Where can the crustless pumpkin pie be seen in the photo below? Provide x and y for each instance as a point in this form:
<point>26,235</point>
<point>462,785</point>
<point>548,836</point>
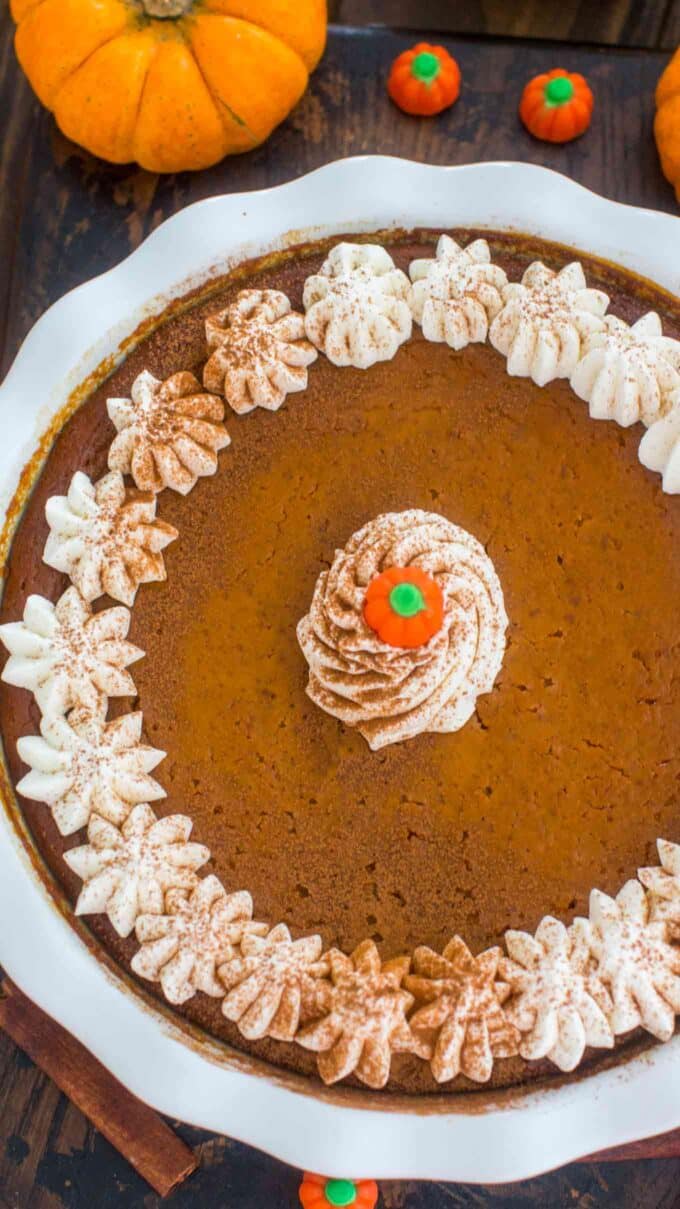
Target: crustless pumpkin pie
<point>343,703</point>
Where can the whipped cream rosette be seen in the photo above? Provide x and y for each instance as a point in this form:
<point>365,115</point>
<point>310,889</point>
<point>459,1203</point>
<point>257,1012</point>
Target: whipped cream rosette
<point>271,981</point>
<point>66,655</point>
<point>662,883</point>
<point>105,538</point>
<point>169,433</point>
<point>183,948</point>
<point>394,692</point>
<point>82,765</point>
<point>455,296</point>
<point>660,448</point>
<point>259,353</point>
<point>356,306</point>
<point>362,1019</point>
<point>635,960</point>
<point>126,872</point>
<point>555,1001</point>
<point>544,320</point>
<point>458,999</point>
<point>628,372</point>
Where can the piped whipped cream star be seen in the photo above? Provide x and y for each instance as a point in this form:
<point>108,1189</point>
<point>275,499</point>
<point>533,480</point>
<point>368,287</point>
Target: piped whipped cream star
<point>660,448</point>
<point>544,320</point>
<point>628,373</point>
<point>169,433</point>
<point>81,764</point>
<point>662,883</point>
<point>356,306</point>
<point>184,948</point>
<point>363,1017</point>
<point>461,1002</point>
<point>556,1002</point>
<point>259,353</point>
<point>66,655</point>
<point>455,297</point>
<point>127,871</point>
<point>635,961</point>
<point>107,540</point>
<point>270,981</point>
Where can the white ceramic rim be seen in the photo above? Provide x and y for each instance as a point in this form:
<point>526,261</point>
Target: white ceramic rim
<point>364,1136</point>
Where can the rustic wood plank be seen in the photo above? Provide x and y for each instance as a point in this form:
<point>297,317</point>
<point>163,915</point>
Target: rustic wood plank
<point>670,33</point>
<point>610,22</point>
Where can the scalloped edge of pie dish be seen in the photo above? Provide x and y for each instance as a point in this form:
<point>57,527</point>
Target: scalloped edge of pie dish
<point>514,1136</point>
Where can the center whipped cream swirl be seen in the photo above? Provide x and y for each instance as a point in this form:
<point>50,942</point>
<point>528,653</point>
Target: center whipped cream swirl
<point>392,693</point>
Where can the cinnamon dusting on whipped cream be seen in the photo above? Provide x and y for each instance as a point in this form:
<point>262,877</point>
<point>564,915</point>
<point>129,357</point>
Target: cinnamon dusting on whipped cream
<point>391,693</point>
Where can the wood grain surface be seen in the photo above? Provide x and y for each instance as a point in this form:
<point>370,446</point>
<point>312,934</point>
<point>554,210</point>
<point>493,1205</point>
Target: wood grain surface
<point>65,217</point>
<point>643,23</point>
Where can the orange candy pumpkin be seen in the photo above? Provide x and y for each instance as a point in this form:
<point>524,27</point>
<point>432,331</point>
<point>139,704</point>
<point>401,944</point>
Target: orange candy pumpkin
<point>667,122</point>
<point>556,106</point>
<point>172,84</point>
<point>424,80</point>
<point>404,606</point>
<point>317,1192</point>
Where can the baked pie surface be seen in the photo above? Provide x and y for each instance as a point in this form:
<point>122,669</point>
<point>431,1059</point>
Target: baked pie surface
<point>567,772</point>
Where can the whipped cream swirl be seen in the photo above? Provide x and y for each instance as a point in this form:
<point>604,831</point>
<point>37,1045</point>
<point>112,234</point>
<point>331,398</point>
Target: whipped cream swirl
<point>258,351</point>
<point>635,960</point>
<point>81,765</point>
<point>357,306</point>
<point>199,932</point>
<point>544,321</point>
<point>628,372</point>
<point>105,538</point>
<point>127,871</point>
<point>392,693</point>
<point>556,1002</point>
<point>660,448</point>
<point>663,886</point>
<point>455,296</point>
<point>66,655</point>
<point>169,433</point>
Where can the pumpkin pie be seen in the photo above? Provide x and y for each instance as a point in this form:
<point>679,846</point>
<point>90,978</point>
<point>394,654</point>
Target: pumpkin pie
<point>342,704</point>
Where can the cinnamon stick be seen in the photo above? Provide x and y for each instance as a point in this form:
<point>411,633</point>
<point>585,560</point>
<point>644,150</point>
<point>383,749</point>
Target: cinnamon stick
<point>139,1133</point>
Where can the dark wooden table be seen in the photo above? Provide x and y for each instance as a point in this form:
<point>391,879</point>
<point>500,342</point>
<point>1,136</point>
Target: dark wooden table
<point>65,217</point>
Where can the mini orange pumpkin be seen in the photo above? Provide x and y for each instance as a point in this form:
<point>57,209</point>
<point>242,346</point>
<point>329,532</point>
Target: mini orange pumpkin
<point>424,80</point>
<point>667,122</point>
<point>316,1192</point>
<point>172,84</point>
<point>556,106</point>
<point>404,606</point>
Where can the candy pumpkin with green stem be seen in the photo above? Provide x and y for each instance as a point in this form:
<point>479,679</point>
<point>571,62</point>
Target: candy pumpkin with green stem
<point>317,1192</point>
<point>424,80</point>
<point>172,84</point>
<point>556,106</point>
<point>404,606</point>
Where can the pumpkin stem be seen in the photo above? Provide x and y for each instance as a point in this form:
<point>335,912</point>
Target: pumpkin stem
<point>166,9</point>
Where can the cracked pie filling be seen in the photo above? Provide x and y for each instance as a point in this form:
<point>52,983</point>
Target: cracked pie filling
<point>339,661</point>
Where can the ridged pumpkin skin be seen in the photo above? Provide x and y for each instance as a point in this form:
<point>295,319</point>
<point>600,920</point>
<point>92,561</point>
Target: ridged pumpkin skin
<point>667,122</point>
<point>172,93</point>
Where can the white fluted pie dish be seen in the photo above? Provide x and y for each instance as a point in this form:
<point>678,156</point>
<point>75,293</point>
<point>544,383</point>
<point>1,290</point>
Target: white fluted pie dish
<point>465,1138</point>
